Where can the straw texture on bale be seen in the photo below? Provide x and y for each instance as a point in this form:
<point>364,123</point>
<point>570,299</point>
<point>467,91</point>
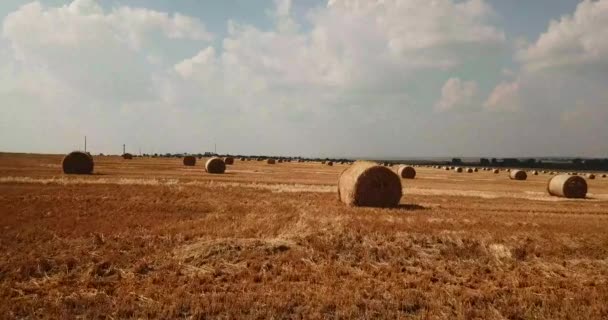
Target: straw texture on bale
<point>270,161</point>
<point>518,175</point>
<point>127,156</point>
<point>215,165</point>
<point>367,184</point>
<point>229,160</point>
<point>406,172</point>
<point>190,161</point>
<point>567,186</point>
<point>77,162</point>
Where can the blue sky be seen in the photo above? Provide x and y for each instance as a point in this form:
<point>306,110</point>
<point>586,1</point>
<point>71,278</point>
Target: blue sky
<point>405,78</point>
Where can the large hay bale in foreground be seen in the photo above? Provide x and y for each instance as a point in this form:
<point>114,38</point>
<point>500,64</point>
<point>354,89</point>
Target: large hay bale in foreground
<point>518,175</point>
<point>190,161</point>
<point>215,165</point>
<point>406,172</point>
<point>77,162</point>
<point>367,184</point>
<point>270,161</point>
<point>127,156</point>
<point>229,160</point>
<point>567,186</point>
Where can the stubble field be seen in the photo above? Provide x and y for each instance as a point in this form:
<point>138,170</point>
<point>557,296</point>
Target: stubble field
<point>150,238</point>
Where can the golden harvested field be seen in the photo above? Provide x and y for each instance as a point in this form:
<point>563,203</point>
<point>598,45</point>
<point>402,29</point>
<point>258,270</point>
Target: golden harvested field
<point>151,238</point>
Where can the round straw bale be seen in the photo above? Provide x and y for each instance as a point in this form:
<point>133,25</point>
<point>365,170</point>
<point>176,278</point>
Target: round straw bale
<point>476,170</point>
<point>127,156</point>
<point>229,160</point>
<point>603,176</point>
<point>535,172</point>
<point>367,184</point>
<point>270,161</point>
<point>518,175</point>
<point>215,165</point>
<point>469,170</point>
<point>458,169</point>
<point>329,163</point>
<point>590,176</point>
<point>323,162</point>
<point>190,161</point>
<point>406,172</point>
<point>496,171</point>
<point>447,169</point>
<point>567,186</point>
<point>77,162</point>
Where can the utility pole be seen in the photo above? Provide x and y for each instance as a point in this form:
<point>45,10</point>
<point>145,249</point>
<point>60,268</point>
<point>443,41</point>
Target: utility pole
<point>85,143</point>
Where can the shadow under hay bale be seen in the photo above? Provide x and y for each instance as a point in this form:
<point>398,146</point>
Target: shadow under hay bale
<point>367,184</point>
<point>567,186</point>
<point>189,161</point>
<point>77,162</point>
<point>215,165</point>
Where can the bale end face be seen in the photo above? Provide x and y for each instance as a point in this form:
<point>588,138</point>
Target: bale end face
<point>407,172</point>
<point>215,165</point>
<point>77,162</point>
<point>190,161</point>
<point>366,184</point>
<point>567,186</point>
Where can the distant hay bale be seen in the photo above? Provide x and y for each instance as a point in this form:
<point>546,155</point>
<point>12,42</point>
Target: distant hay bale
<point>476,169</point>
<point>367,184</point>
<point>518,175</point>
<point>270,161</point>
<point>535,172</point>
<point>603,176</point>
<point>215,165</point>
<point>567,186</point>
<point>329,163</point>
<point>591,176</point>
<point>229,160</point>
<point>406,172</point>
<point>77,162</point>
<point>127,156</point>
<point>458,169</point>
<point>243,159</point>
<point>447,168</point>
<point>496,171</point>
<point>469,170</point>
<point>190,161</point>
<point>323,162</point>
<point>280,160</point>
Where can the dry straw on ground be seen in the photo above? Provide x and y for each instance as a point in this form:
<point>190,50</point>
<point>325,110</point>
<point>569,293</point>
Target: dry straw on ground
<point>518,175</point>
<point>77,162</point>
<point>567,186</point>
<point>190,161</point>
<point>215,165</point>
<point>367,184</point>
<point>406,172</point>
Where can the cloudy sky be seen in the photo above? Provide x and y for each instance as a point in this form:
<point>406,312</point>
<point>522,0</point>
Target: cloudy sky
<point>361,78</point>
